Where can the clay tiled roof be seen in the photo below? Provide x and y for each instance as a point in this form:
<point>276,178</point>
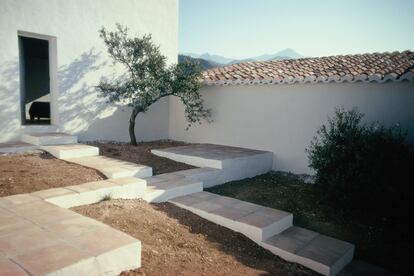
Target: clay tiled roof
<point>378,67</point>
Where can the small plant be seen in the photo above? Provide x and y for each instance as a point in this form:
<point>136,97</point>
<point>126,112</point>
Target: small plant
<point>106,197</point>
<point>363,167</point>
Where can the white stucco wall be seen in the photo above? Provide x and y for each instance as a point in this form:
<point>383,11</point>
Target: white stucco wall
<point>81,61</point>
<point>284,118</point>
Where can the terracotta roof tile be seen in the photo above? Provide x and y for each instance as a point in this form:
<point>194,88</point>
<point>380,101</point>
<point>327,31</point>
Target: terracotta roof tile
<point>378,67</point>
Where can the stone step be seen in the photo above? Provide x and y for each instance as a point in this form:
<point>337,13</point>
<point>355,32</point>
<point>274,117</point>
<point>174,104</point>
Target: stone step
<point>254,221</point>
<point>16,146</point>
<point>39,238</point>
<point>234,163</point>
<point>92,192</point>
<point>113,168</point>
<point>161,188</point>
<point>71,151</point>
<point>209,176</point>
<point>49,138</point>
<point>320,253</point>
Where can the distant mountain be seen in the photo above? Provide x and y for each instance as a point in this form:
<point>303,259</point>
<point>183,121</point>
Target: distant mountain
<point>214,58</point>
<point>281,55</point>
<point>204,64</point>
<point>217,60</point>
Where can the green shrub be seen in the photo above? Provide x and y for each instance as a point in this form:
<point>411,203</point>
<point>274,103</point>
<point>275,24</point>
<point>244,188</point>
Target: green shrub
<point>362,167</point>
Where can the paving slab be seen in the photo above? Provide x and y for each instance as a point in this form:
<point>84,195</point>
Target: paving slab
<point>71,150</point>
<point>113,168</point>
<point>40,238</point>
<point>162,190</point>
<point>8,267</point>
<point>95,191</point>
<point>320,253</point>
<point>219,164</point>
<point>248,219</point>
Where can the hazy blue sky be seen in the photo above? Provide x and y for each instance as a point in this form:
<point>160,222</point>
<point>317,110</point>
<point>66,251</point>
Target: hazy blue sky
<point>246,28</point>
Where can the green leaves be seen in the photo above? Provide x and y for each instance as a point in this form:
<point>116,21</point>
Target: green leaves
<point>148,78</point>
<point>359,165</point>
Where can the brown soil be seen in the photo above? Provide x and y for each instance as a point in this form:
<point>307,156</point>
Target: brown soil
<point>177,242</point>
<point>25,173</point>
<point>141,154</point>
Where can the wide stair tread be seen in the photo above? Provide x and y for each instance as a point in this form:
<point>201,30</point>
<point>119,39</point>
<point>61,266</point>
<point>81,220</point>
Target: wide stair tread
<point>232,163</point>
<point>113,168</point>
<point>321,253</point>
<point>163,187</point>
<point>49,138</point>
<point>254,221</point>
<point>95,191</point>
<point>68,151</point>
<point>209,155</point>
<point>48,240</point>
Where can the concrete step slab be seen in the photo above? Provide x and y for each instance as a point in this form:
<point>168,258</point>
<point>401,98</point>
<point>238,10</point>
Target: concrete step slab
<point>44,239</point>
<point>161,190</point>
<point>320,253</point>
<point>254,221</point>
<point>49,138</point>
<point>113,168</point>
<point>17,147</point>
<point>209,176</point>
<point>92,192</point>
<point>71,151</point>
<point>234,163</point>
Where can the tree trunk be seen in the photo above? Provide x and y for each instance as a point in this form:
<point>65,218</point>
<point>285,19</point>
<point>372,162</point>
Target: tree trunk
<point>134,115</point>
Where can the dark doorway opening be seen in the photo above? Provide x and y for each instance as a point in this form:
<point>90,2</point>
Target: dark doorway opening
<point>35,80</point>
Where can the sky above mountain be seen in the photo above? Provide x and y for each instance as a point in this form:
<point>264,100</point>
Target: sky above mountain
<point>239,29</point>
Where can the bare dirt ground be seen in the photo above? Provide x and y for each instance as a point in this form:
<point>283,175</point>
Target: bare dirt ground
<point>141,154</point>
<point>177,242</point>
<point>25,173</point>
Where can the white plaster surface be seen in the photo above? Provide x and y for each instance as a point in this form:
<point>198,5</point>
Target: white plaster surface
<point>220,164</point>
<point>283,119</point>
<point>81,60</point>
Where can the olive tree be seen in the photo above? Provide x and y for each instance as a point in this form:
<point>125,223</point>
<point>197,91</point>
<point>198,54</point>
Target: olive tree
<point>148,78</point>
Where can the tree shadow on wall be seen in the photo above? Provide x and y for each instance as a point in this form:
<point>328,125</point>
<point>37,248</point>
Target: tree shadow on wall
<point>79,101</point>
<point>9,100</point>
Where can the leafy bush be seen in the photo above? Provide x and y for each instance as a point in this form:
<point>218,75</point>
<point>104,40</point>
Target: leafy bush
<point>362,167</point>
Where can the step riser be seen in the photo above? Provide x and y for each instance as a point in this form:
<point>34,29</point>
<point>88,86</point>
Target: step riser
<point>254,233</point>
<point>18,149</point>
<point>72,153</point>
<point>45,141</point>
<point>73,200</point>
<point>142,173</point>
<point>190,160</point>
<point>157,196</point>
<point>110,263</point>
<point>230,169</point>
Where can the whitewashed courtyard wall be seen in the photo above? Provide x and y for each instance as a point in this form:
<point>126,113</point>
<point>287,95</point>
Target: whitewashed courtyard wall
<point>284,118</point>
<point>81,61</point>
